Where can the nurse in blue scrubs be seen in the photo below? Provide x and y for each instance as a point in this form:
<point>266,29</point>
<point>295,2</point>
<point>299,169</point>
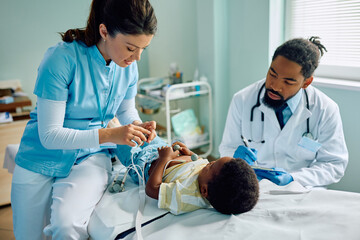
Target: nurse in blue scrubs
<point>64,160</point>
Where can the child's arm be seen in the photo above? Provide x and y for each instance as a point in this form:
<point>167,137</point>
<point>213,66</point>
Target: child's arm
<point>166,154</point>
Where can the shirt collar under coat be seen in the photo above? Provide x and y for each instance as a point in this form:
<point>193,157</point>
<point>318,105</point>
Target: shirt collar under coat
<point>293,102</point>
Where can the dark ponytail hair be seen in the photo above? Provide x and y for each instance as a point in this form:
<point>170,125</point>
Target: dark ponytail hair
<point>305,52</point>
<point>119,16</point>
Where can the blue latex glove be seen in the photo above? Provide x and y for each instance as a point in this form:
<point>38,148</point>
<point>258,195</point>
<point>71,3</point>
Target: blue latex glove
<point>248,154</point>
<point>278,176</point>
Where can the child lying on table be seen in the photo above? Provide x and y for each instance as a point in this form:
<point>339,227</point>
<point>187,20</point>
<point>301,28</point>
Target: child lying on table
<point>182,185</point>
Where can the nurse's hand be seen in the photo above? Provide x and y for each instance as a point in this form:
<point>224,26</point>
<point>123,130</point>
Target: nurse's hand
<point>278,176</point>
<point>247,154</point>
<point>124,135</point>
<point>151,126</point>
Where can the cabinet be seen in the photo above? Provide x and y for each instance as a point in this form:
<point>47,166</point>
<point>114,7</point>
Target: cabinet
<point>193,90</point>
<point>16,108</point>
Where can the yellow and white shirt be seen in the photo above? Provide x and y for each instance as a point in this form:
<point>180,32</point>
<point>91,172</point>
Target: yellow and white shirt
<point>179,193</point>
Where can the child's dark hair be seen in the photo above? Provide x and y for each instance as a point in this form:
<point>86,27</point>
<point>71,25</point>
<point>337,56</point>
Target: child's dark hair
<point>119,16</point>
<point>304,52</point>
<point>235,189</point>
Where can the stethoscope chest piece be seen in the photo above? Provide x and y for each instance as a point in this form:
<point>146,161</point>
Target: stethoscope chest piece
<point>308,135</point>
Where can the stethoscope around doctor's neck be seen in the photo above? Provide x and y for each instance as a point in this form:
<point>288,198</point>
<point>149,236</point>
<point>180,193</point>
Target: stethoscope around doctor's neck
<point>305,134</point>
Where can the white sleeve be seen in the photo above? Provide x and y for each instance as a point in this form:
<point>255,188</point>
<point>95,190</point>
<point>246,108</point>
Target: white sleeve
<point>52,133</point>
<point>127,112</point>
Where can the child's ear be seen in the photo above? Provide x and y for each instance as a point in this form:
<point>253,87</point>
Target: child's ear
<point>204,191</point>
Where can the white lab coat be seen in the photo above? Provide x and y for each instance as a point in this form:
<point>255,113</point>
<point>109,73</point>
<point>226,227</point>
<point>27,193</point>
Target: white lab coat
<point>315,167</point>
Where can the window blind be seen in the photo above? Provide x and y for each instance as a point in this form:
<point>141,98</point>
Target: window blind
<point>336,22</point>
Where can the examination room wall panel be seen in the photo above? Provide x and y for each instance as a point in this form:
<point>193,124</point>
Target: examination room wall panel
<point>246,47</point>
<point>350,115</point>
<point>28,29</point>
<point>249,42</point>
<point>174,42</point>
<point>213,51</point>
<point>225,28</point>
<point>194,36</point>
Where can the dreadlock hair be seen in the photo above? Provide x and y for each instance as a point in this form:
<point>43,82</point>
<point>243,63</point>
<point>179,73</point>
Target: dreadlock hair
<point>119,16</point>
<point>304,52</point>
<point>235,189</point>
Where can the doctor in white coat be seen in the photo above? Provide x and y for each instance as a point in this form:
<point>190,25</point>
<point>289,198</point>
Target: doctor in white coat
<point>306,143</point>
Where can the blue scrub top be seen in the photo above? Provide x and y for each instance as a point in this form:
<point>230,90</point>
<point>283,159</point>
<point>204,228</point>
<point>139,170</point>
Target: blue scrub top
<point>64,75</point>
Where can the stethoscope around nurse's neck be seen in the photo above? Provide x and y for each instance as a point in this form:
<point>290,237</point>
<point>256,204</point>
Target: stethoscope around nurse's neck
<point>307,134</point>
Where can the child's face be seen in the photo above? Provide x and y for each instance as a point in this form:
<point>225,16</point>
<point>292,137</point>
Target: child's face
<point>211,170</point>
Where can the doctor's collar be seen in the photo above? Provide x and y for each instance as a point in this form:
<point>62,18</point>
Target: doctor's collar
<point>294,101</point>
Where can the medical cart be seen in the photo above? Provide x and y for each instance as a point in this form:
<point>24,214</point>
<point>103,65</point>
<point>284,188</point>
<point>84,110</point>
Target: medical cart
<point>193,90</point>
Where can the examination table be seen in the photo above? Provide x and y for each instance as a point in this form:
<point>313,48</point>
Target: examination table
<point>287,212</point>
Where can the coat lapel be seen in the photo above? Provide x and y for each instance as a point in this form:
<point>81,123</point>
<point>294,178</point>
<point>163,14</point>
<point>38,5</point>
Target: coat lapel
<point>270,116</point>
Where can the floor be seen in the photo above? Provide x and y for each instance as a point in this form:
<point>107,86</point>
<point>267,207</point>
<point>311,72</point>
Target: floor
<point>6,227</point>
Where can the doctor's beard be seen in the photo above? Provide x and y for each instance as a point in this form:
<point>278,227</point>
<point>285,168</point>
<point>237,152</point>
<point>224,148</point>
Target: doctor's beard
<point>274,104</point>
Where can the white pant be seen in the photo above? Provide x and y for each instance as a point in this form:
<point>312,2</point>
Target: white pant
<point>72,200</point>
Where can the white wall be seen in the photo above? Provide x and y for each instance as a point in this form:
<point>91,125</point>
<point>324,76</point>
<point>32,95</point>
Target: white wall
<point>175,40</point>
<point>28,29</point>
<point>347,101</point>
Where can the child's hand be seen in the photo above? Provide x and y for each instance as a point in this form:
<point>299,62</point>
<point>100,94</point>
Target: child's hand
<point>166,153</point>
<point>179,143</point>
<point>183,149</point>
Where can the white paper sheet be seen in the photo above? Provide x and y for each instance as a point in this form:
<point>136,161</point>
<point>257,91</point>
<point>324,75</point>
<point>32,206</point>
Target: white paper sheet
<point>288,212</point>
